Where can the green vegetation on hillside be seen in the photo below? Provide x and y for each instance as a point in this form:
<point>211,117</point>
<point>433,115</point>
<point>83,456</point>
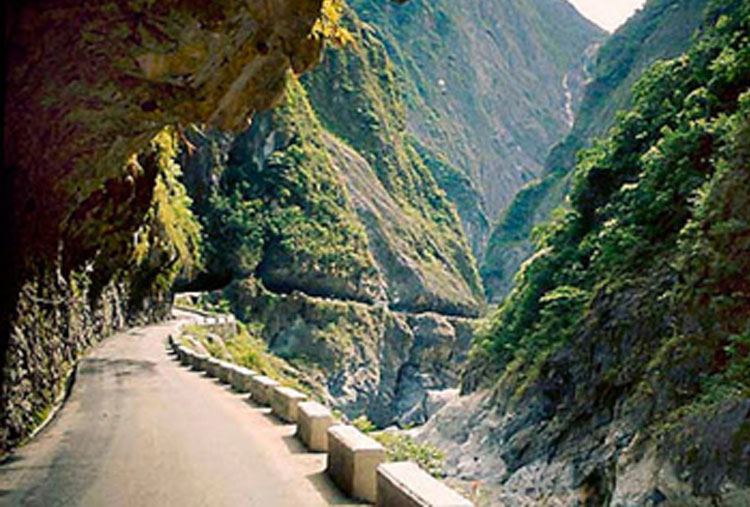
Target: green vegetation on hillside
<point>288,211</point>
<point>278,201</point>
<point>652,259</point>
<point>248,350</point>
<point>365,109</point>
<point>483,87</point>
<point>358,97</point>
<point>662,29</point>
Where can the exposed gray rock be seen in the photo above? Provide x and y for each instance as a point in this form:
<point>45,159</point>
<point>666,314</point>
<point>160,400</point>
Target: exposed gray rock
<point>436,400</point>
<point>411,283</point>
<point>54,324</point>
<point>387,365</point>
<point>521,456</point>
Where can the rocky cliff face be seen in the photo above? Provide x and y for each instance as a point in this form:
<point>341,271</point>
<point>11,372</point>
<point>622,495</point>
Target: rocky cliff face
<point>96,219</point>
<point>54,326</point>
<point>336,200</point>
<point>393,367</point>
<point>301,210</point>
<point>329,206</point>
<point>662,30</point>
<point>487,87</point>
<point>616,372</point>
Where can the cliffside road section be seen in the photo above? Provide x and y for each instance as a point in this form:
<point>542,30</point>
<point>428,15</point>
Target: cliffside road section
<point>139,429</point>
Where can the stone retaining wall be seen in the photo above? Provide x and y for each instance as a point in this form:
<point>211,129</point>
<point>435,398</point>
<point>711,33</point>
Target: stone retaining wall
<point>55,321</point>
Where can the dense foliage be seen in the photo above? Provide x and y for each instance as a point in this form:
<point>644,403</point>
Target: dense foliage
<point>658,207</point>
<point>288,208</point>
<point>329,195</point>
<point>400,446</point>
<point>328,25</point>
<point>169,240</point>
<point>663,29</point>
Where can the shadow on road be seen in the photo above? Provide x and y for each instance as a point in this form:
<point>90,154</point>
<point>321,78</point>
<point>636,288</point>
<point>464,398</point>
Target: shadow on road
<point>96,366</point>
<point>275,420</point>
<point>10,458</point>
<point>295,446</point>
<point>257,406</point>
<point>329,491</point>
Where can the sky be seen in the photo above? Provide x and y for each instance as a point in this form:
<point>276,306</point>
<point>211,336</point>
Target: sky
<point>609,14</point>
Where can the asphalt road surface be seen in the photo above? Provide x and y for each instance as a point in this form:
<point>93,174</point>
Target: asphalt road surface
<point>141,430</point>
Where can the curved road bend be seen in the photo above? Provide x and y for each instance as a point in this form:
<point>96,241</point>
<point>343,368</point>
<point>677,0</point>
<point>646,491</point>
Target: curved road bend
<point>141,430</point>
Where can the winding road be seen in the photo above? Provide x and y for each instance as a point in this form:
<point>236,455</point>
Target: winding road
<point>139,430</point>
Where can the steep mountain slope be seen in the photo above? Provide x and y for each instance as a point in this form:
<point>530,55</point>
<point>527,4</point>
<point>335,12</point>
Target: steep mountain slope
<point>661,30</point>
<point>336,195</point>
<point>617,371</point>
<point>337,245</point>
<point>485,88</point>
<point>320,216</point>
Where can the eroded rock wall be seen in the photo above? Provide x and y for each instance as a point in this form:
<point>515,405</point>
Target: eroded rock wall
<point>393,367</point>
<point>88,87</point>
<point>57,320</point>
<point>90,84</point>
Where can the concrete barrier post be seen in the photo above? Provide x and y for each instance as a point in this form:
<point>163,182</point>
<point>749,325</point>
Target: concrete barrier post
<point>353,459</point>
<point>240,378</point>
<point>200,362</point>
<point>284,401</point>
<point>185,356</point>
<point>213,367</point>
<point>260,389</point>
<point>225,371</point>
<point>404,484</point>
<point>195,361</point>
<point>313,421</point>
